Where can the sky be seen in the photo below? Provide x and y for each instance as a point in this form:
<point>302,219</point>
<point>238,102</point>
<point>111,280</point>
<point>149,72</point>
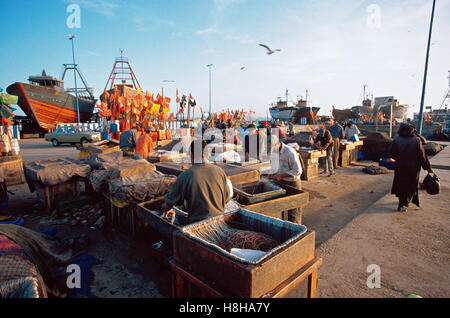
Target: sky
<point>330,48</point>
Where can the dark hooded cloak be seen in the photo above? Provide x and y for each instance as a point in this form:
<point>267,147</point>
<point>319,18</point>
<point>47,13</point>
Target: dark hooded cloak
<point>409,154</point>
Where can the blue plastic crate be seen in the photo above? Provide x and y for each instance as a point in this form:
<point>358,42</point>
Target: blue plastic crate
<point>386,163</point>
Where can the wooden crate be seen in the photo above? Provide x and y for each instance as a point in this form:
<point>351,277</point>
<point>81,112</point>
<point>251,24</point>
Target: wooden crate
<point>253,164</point>
<point>310,163</point>
<point>124,219</point>
<point>49,195</point>
<point>109,211</point>
<point>345,155</point>
<point>354,152</point>
<point>158,224</point>
<point>248,194</point>
<point>103,147</point>
<point>12,170</point>
<point>279,207</point>
<point>302,284</point>
<point>237,175</point>
<point>239,279</point>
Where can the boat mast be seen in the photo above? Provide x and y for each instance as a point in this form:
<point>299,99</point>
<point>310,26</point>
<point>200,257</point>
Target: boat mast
<point>306,98</point>
<point>75,77</point>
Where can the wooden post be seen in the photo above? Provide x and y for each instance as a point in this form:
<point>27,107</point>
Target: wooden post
<point>312,284</point>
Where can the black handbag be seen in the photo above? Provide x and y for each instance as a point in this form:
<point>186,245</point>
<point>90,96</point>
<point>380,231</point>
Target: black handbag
<point>431,184</point>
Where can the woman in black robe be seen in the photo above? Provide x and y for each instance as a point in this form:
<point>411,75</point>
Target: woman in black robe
<point>409,154</point>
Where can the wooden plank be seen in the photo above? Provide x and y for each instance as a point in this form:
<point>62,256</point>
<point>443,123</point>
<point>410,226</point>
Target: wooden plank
<point>182,280</point>
<point>293,200</point>
<point>181,277</point>
<point>312,285</point>
<point>306,272</point>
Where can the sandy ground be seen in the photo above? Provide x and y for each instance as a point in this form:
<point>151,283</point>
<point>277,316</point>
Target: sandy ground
<point>130,269</point>
<point>411,249</point>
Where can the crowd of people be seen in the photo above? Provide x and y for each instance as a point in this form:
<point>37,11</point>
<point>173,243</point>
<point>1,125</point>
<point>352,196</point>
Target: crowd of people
<point>204,189</point>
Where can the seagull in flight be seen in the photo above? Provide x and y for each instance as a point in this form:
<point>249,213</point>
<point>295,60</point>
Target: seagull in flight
<point>269,51</point>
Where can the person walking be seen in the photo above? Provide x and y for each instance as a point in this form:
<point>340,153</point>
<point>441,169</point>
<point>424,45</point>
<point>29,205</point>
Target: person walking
<point>408,152</point>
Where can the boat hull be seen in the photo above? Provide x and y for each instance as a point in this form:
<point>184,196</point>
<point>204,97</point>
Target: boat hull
<point>48,107</point>
<point>294,113</point>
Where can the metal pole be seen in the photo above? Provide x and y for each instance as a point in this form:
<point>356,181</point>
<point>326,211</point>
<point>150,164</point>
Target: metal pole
<point>419,124</point>
<point>210,114</point>
<point>390,123</point>
<point>75,78</point>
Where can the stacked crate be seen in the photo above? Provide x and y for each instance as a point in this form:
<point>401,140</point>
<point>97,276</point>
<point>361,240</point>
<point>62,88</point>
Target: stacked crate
<point>310,159</point>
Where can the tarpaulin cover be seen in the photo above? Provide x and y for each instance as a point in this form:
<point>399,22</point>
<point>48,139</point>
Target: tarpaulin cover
<point>141,187</point>
<point>50,172</point>
<point>131,167</point>
<point>303,139</point>
<point>114,165</point>
<point>377,144</point>
<point>19,277</point>
<point>105,161</point>
<point>50,256</point>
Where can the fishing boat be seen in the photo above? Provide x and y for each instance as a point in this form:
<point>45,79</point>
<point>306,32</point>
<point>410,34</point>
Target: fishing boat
<point>45,101</point>
<point>293,112</point>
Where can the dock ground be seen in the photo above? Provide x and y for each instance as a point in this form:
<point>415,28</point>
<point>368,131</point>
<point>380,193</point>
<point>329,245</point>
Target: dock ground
<point>354,217</point>
<point>411,249</point>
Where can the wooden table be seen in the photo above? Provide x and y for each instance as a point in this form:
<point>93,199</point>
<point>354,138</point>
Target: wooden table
<point>348,154</point>
<point>279,207</point>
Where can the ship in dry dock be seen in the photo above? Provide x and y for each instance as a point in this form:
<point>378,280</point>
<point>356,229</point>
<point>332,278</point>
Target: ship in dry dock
<point>45,100</point>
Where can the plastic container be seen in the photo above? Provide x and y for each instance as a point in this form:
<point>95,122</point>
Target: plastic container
<point>15,148</point>
<point>5,144</point>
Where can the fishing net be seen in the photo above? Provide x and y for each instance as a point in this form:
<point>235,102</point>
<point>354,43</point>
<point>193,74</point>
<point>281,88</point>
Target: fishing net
<point>244,230</point>
<point>248,240</point>
<point>375,170</point>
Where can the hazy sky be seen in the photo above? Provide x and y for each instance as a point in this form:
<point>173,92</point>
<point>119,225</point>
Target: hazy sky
<point>329,47</point>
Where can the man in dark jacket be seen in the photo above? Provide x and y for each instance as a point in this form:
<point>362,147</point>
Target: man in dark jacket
<point>337,132</point>
<point>324,142</point>
<point>128,140</point>
<point>204,189</point>
<point>409,154</point>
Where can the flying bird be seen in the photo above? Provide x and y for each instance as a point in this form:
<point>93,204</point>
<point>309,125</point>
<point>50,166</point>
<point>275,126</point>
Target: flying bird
<point>242,68</point>
<point>269,51</point>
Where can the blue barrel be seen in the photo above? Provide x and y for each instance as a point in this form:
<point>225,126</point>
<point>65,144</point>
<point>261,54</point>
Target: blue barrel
<point>106,135</point>
<point>113,128</point>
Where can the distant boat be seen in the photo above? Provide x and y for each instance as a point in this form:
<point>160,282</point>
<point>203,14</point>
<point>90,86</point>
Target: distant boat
<point>282,111</point>
<point>45,101</point>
